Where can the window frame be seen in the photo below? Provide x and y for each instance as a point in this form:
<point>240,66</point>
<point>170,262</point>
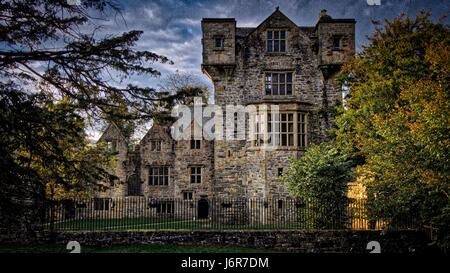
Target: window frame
<point>286,83</point>
<point>294,131</point>
<point>188,195</point>
<point>222,39</point>
<point>195,177</point>
<point>102,204</point>
<point>272,40</point>
<point>112,146</point>
<point>196,144</point>
<point>155,148</point>
<point>158,179</point>
<point>333,40</point>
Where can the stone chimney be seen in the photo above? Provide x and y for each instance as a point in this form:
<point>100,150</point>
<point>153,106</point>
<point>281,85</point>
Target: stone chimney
<point>324,16</point>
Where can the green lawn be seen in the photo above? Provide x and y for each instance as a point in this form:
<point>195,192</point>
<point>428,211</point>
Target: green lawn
<point>56,248</point>
<point>153,223</point>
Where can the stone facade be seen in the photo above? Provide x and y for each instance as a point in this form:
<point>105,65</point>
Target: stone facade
<point>238,62</point>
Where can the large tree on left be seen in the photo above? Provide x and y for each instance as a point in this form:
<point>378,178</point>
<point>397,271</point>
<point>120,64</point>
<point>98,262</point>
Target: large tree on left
<point>55,76</point>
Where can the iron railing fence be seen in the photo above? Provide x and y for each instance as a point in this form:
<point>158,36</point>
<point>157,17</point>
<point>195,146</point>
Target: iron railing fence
<point>140,213</point>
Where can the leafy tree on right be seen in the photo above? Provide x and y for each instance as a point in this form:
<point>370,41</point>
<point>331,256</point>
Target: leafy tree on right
<point>396,121</point>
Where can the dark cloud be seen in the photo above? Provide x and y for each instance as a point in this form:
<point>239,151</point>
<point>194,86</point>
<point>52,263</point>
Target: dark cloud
<point>172,28</point>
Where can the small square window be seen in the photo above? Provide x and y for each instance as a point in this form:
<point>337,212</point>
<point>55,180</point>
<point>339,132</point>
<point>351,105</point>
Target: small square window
<point>195,144</point>
<point>155,145</point>
<point>112,146</point>
<point>219,42</point>
<point>280,171</point>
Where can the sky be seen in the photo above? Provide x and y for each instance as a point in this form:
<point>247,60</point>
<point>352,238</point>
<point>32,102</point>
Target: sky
<point>172,28</point>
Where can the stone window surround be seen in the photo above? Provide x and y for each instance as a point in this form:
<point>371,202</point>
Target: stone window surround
<point>296,132</point>
<point>188,195</point>
<point>339,37</point>
<point>198,176</point>
<point>221,48</point>
<point>154,147</point>
<point>273,38</point>
<point>149,181</point>
<point>195,144</point>
<point>284,71</point>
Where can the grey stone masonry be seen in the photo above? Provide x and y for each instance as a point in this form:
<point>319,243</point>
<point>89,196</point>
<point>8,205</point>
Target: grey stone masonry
<point>239,71</point>
<point>277,63</point>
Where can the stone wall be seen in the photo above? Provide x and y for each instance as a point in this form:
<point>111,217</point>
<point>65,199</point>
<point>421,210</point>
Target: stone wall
<point>240,169</point>
<point>293,241</point>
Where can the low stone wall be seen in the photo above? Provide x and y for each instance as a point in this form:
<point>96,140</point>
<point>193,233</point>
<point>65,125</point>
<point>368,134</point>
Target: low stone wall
<point>293,241</point>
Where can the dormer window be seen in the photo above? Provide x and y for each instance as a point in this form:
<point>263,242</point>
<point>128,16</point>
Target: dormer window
<point>219,42</point>
<point>276,41</point>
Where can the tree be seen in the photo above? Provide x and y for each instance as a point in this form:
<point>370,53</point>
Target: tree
<point>55,77</point>
<point>396,119</point>
<point>185,87</point>
<point>320,177</point>
<point>43,150</point>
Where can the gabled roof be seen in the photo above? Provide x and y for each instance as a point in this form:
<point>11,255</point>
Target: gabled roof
<point>112,127</point>
<point>157,131</point>
<point>276,13</point>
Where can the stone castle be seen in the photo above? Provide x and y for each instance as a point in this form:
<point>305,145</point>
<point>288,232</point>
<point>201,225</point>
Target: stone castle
<point>275,63</point>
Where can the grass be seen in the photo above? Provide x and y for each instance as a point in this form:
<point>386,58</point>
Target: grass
<point>57,248</point>
<point>153,223</point>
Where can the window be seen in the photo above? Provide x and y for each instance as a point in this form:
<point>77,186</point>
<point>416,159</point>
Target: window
<point>164,207</point>
<point>195,144</point>
<point>235,125</point>
<point>218,42</point>
<point>196,174</point>
<point>112,146</point>
<point>337,39</point>
<point>278,84</point>
<point>280,172</point>
<point>286,129</point>
<point>276,41</point>
<point>155,145</point>
<point>258,139</point>
<point>158,176</point>
<point>101,203</point>
<point>301,130</point>
<point>187,195</point>
<point>280,129</point>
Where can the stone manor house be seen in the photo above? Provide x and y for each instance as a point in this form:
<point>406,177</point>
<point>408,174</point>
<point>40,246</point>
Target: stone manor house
<point>275,63</point>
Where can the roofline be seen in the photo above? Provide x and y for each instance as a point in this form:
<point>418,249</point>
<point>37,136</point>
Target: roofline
<point>112,123</point>
<point>219,20</point>
<point>345,20</point>
<point>276,10</point>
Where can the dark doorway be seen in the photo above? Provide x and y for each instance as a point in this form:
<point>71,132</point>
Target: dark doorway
<point>203,209</point>
<point>134,186</point>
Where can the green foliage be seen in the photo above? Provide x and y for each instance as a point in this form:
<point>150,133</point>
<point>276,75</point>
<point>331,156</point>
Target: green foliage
<point>55,77</point>
<point>320,177</point>
<point>44,143</point>
<point>397,119</point>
